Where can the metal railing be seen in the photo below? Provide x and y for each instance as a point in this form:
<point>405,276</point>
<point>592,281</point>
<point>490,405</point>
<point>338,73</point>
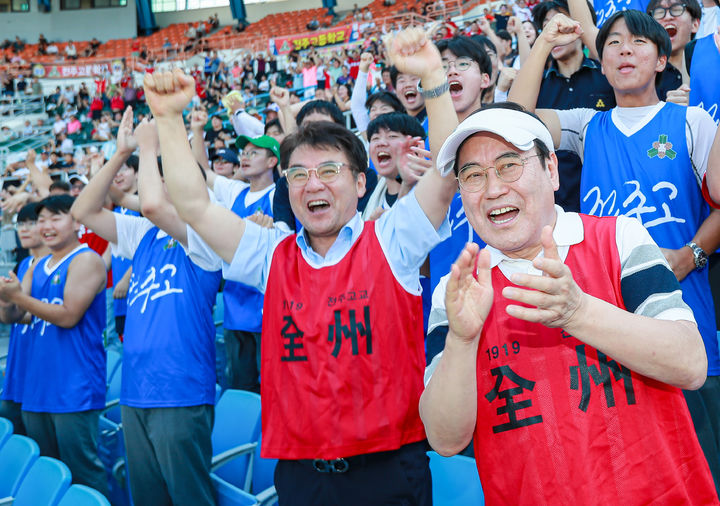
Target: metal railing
<point>21,104</point>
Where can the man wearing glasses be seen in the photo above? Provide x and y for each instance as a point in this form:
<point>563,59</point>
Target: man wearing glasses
<point>343,351</point>
<point>568,339</point>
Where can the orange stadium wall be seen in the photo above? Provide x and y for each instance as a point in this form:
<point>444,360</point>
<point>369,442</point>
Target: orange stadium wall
<point>255,11</point>
<point>62,25</point>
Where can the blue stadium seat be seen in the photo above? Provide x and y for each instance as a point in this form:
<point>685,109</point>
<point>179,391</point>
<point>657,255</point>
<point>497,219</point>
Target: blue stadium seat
<point>229,495</point>
<point>236,429</point>
<point>455,481</point>
<point>6,430</point>
<point>45,483</point>
<point>16,456</point>
<point>80,495</point>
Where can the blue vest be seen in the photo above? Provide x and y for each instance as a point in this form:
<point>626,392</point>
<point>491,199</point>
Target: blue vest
<point>120,266</point>
<point>65,367</point>
<point>243,304</point>
<point>20,338</point>
<point>704,85</point>
<point>606,8</point>
<point>649,176</point>
<point>169,346</point>
<point>444,254</point>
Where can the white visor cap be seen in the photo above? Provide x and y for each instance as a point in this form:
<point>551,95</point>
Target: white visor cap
<point>518,128</point>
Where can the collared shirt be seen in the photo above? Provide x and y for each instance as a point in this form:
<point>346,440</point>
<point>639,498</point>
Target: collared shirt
<point>586,87</point>
<point>405,234</point>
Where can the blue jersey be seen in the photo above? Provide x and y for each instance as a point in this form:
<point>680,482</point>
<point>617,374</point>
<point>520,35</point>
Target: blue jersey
<point>650,176</point>
<point>243,304</point>
<point>704,86</point>
<point>65,367</point>
<point>169,346</point>
<point>20,339</point>
<point>119,268</point>
<point>444,254</point>
<point>606,8</point>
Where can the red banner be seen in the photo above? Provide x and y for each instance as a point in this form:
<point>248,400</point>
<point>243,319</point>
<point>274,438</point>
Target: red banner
<point>64,71</point>
<point>335,35</point>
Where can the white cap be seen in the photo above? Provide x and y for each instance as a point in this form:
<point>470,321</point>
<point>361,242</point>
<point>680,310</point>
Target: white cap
<point>79,177</point>
<point>516,127</point>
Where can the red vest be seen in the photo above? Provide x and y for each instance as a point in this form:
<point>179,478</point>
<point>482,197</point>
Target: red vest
<point>561,423</point>
<point>342,355</point>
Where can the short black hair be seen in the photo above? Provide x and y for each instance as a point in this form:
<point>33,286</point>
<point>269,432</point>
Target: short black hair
<point>539,12</point>
<point>394,73</point>
<point>272,123</point>
<point>133,162</point>
<point>322,107</point>
<point>469,48</point>
<point>59,185</point>
<point>396,122</point>
<point>485,42</point>
<point>639,24</point>
<point>386,97</point>
<point>28,212</point>
<point>504,35</point>
<point>692,6</point>
<point>56,204</point>
<point>326,134</point>
<point>543,151</point>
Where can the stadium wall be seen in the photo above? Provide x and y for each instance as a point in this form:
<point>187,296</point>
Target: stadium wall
<point>80,24</point>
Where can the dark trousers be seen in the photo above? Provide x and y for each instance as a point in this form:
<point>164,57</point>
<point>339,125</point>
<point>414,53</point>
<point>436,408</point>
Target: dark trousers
<point>398,477</point>
<point>243,354</point>
<point>704,407</point>
<point>168,455</point>
<point>72,438</point>
<point>13,411</point>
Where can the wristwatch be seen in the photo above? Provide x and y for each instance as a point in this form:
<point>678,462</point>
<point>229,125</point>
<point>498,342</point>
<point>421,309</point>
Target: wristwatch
<point>701,258</point>
<point>435,92</point>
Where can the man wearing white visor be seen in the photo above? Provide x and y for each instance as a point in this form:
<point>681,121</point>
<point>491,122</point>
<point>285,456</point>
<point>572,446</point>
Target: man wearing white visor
<point>568,339</point>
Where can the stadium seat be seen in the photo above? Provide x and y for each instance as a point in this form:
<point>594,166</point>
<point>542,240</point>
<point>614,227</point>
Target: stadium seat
<point>236,429</point>
<point>228,495</point>
<point>80,495</point>
<point>455,481</point>
<point>45,483</point>
<point>6,430</point>
<point>16,456</point>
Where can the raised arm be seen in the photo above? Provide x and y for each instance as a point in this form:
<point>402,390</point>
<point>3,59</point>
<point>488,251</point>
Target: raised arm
<point>167,95</point>
<point>413,53</point>
<point>89,208</point>
<point>198,120</point>
<point>514,26</point>
<point>580,12</point>
<point>559,31</point>
<point>154,204</point>
<point>41,181</point>
<point>359,93</point>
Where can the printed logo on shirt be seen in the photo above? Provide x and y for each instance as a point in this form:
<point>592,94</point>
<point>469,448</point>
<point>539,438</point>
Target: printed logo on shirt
<point>662,148</point>
<point>170,244</point>
<point>600,104</point>
<point>55,280</point>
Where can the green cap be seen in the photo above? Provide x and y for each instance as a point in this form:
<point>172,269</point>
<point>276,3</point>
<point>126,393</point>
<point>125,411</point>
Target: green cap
<point>264,141</point>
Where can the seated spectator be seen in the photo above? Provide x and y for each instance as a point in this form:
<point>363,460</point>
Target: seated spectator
<point>71,51</point>
<point>73,125</point>
<point>59,126</point>
<point>42,44</point>
<point>52,49</point>
<point>18,45</point>
<point>117,104</point>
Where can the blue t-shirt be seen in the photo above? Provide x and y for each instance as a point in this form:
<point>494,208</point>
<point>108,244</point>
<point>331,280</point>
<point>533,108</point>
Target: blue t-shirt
<point>119,267</point>
<point>649,176</point>
<point>65,367</point>
<point>606,8</point>
<point>704,86</point>
<point>20,338</point>
<point>243,304</point>
<point>169,346</point>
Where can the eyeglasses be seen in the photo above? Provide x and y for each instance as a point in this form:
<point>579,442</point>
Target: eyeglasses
<point>25,224</point>
<point>326,172</point>
<point>508,168</point>
<point>461,64</point>
<point>676,10</point>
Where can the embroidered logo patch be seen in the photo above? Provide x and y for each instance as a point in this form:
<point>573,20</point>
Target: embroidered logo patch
<point>170,244</point>
<point>662,148</point>
<point>55,280</point>
<point>600,104</point>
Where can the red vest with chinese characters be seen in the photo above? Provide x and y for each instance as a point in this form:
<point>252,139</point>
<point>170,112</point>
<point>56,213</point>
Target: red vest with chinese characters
<point>342,355</point>
<point>561,423</point>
